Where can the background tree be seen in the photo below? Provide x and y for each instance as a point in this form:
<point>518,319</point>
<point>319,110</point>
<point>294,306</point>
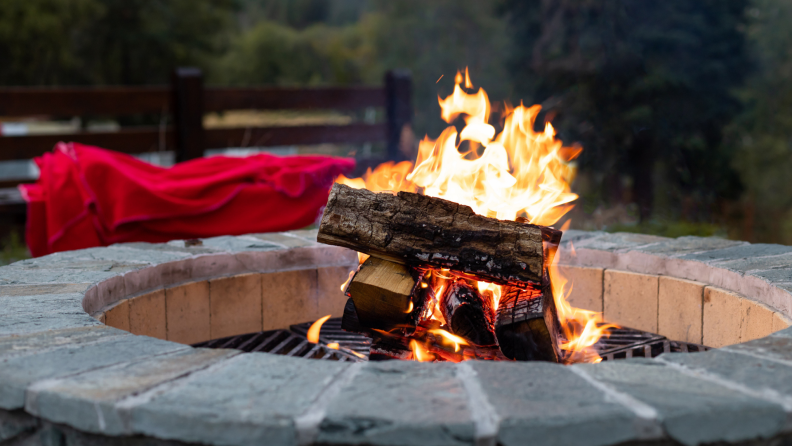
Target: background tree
<point>762,136</point>
<point>645,85</point>
<point>51,42</point>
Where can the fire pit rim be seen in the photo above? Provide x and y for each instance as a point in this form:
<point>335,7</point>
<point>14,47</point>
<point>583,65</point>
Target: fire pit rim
<point>325,407</point>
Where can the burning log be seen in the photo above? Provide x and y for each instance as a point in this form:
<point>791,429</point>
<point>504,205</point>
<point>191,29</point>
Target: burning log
<point>417,230</point>
<point>528,328</point>
<point>468,314</point>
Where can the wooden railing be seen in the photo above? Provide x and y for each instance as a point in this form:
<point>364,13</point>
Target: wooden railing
<point>186,101</point>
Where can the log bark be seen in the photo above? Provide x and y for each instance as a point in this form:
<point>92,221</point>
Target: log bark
<point>527,327</point>
<point>468,314</point>
<point>418,230</point>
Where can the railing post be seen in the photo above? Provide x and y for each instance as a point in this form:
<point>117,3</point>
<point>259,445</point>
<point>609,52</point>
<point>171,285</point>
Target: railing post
<point>398,109</point>
<point>187,90</point>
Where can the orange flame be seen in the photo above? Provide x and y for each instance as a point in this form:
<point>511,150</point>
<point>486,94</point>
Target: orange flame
<point>313,331</point>
<point>419,352</point>
<point>582,328</point>
<point>518,172</point>
<point>452,338</point>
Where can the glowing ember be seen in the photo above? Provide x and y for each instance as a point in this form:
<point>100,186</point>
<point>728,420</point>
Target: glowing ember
<point>515,173</point>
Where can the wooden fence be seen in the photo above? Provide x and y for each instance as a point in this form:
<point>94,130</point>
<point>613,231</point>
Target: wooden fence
<point>186,101</point>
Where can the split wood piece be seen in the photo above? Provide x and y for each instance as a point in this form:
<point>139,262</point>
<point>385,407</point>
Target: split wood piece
<point>528,328</point>
<point>468,314</point>
<point>350,321</point>
<point>425,231</point>
<point>382,294</point>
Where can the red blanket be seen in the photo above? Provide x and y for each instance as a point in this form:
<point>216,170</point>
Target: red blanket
<point>87,196</point>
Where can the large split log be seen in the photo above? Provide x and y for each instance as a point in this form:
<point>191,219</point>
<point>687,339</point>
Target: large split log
<point>528,328</point>
<point>416,230</point>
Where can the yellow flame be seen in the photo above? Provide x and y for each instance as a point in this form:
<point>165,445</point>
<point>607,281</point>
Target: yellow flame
<point>410,307</point>
<point>333,345</point>
<point>385,177</point>
<point>419,353</point>
<point>313,331</point>
<point>582,328</point>
<point>452,338</point>
<point>518,172</point>
<point>344,285</point>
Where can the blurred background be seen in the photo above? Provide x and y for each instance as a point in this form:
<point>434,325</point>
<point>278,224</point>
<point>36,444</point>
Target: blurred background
<point>684,109</point>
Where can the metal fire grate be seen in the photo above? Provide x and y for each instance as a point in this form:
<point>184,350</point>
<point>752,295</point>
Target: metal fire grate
<point>620,343</point>
<point>293,342</point>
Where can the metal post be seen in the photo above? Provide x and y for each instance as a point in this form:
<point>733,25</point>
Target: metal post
<point>187,86</point>
<point>398,109</point>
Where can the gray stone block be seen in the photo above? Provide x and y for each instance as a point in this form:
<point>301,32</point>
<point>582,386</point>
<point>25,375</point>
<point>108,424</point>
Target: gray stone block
<point>547,404</point>
<point>307,234</point>
<point>49,288</point>
<point>88,401</point>
<point>171,246</point>
<point>18,372</point>
<point>757,263</point>
<point>574,235</point>
<point>41,341</point>
<point>400,403</point>
<point>238,244</point>
<point>738,252</point>
<point>251,399</point>
<point>688,245</point>
<point>29,314</point>
<point>78,271</point>
<point>618,241</point>
<point>692,410</point>
<point>761,375</point>
<point>776,346</point>
<point>13,424</point>
<point>285,239</point>
<point>774,275</point>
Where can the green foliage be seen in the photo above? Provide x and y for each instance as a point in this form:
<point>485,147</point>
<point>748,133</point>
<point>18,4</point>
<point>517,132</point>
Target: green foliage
<point>435,39</point>
<point>272,53</point>
<point>643,84</point>
<point>762,136</point>
<point>12,249</point>
<point>432,39</point>
<point>673,229</point>
<point>36,39</point>
<point>108,41</point>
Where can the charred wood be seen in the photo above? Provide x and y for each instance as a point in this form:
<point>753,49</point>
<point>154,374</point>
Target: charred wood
<point>527,326</point>
<point>425,231</point>
<point>468,314</point>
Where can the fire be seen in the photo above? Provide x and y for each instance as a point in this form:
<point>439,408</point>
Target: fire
<point>315,328</point>
<point>517,172</point>
<point>420,353</point>
<point>582,328</point>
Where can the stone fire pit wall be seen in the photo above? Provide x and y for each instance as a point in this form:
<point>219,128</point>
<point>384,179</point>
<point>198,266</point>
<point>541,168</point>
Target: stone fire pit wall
<point>93,349</point>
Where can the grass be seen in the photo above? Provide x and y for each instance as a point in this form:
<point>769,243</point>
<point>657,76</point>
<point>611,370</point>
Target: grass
<point>13,249</point>
<point>671,229</point>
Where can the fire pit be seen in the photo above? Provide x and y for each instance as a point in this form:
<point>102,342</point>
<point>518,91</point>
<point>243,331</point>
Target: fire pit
<point>96,346</point>
<point>68,377</point>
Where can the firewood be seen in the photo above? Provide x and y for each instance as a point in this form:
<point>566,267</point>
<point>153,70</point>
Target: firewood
<point>527,325</point>
<point>418,230</point>
<point>468,314</point>
<point>350,320</point>
<point>382,294</point>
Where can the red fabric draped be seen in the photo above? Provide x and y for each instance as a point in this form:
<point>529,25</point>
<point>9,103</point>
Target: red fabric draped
<point>87,196</point>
